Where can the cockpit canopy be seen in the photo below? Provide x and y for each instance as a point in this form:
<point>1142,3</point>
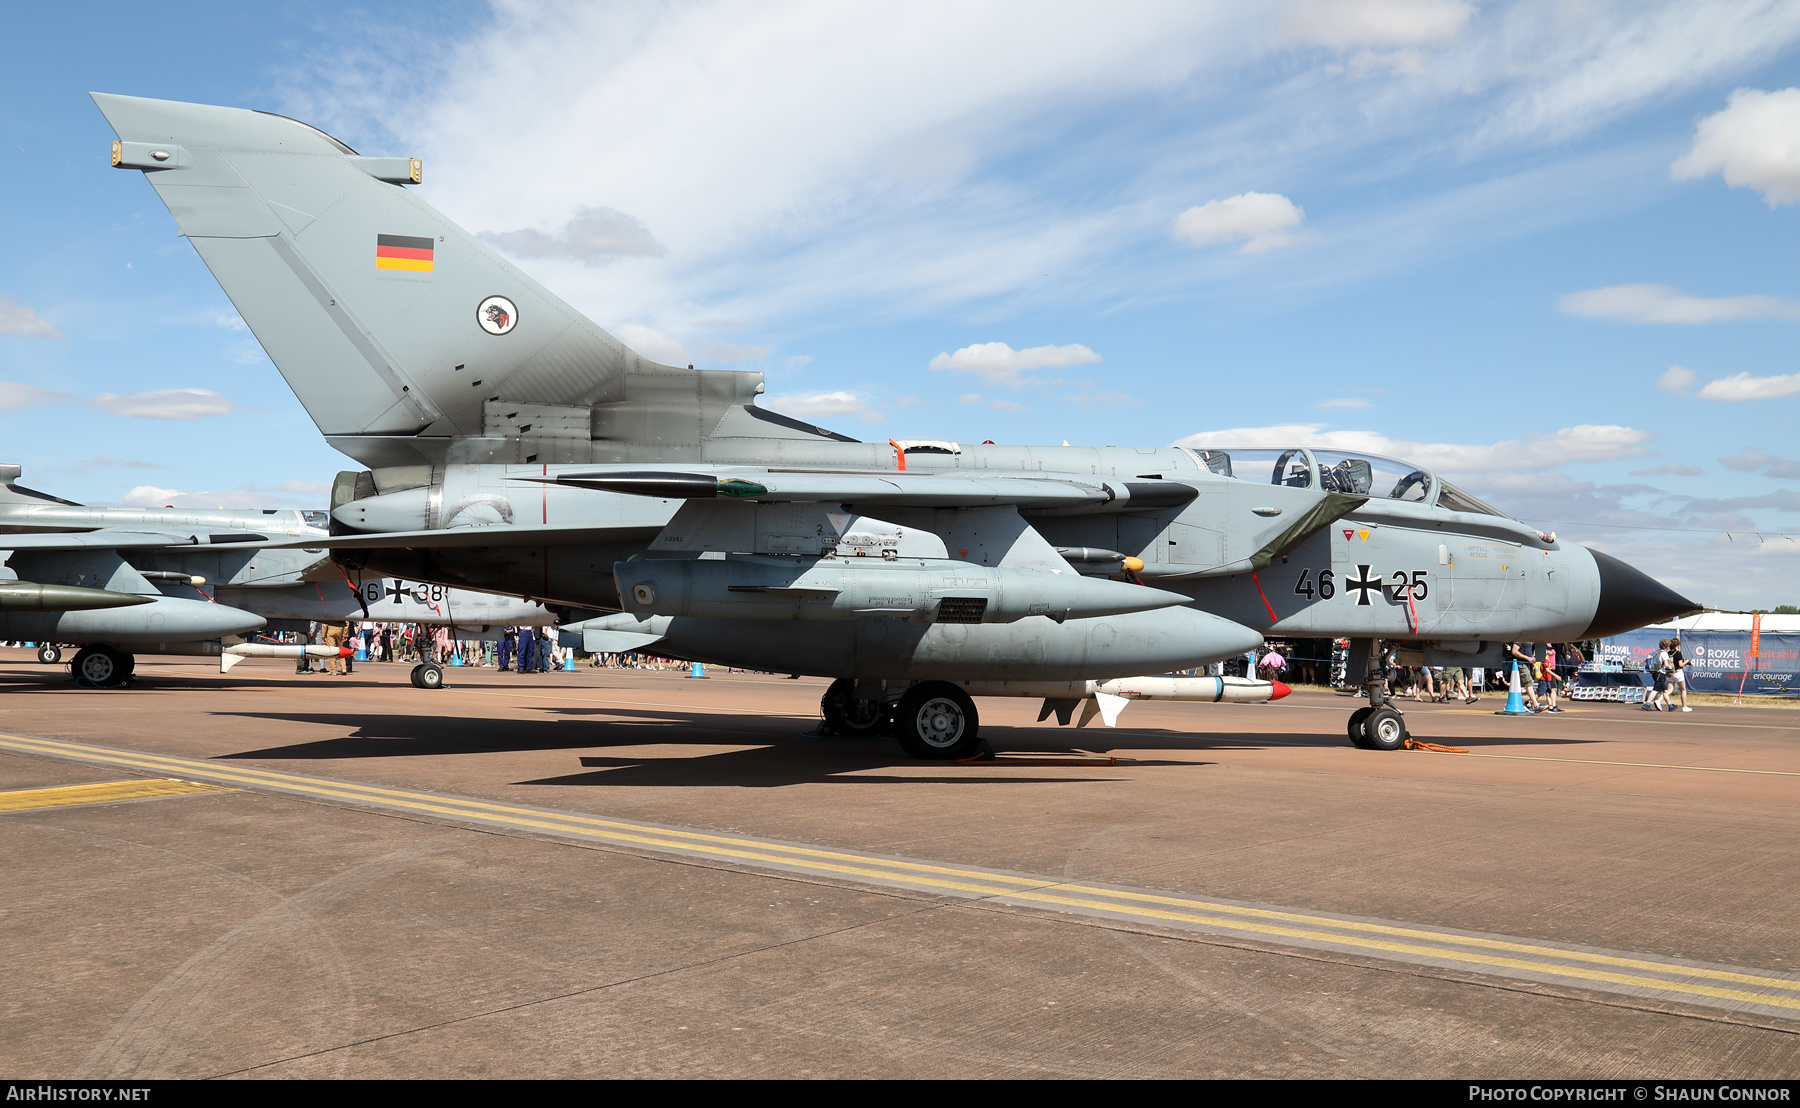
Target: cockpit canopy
<point>1336,471</point>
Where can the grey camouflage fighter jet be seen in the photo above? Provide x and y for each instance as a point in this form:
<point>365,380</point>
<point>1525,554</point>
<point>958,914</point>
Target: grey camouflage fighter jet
<point>512,445</point>
<point>120,582</point>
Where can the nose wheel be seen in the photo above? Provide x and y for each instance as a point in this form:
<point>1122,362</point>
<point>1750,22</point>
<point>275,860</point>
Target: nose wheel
<point>1382,728</point>
<point>428,675</point>
<point>1377,725</point>
<point>49,653</point>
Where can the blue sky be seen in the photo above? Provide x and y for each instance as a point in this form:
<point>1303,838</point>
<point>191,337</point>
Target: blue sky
<point>1546,248</point>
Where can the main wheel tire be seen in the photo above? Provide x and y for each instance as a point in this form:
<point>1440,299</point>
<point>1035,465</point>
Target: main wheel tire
<point>1385,729</point>
<point>49,653</point>
<point>849,717</point>
<point>1355,727</point>
<point>429,676</point>
<point>99,667</point>
<point>937,721</point>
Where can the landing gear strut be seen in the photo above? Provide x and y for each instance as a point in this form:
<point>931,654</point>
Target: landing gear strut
<point>102,667</point>
<point>1380,725</point>
<point>848,716</point>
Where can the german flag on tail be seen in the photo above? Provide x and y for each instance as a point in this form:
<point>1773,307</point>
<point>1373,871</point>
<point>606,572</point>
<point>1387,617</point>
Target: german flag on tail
<point>403,252</point>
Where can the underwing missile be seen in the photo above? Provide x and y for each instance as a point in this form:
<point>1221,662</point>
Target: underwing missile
<point>232,655</point>
<point>1108,698</point>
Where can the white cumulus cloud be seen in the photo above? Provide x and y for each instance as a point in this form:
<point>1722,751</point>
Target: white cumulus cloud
<point>1263,220</point>
<point>1662,304</point>
<point>594,236</point>
<point>1346,24</point>
<point>652,344</point>
<point>1741,386</point>
<point>1754,143</point>
<point>166,404</point>
<point>22,322</point>
<point>824,405</point>
<point>731,353</point>
<point>14,396</point>
<point>1677,378</point>
<point>1001,364</point>
<point>287,494</point>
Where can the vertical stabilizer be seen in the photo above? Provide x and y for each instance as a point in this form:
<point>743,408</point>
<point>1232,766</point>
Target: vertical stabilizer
<point>401,333</point>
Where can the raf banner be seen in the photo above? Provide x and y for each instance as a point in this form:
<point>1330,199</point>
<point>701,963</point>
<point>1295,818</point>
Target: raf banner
<point>1722,659</point>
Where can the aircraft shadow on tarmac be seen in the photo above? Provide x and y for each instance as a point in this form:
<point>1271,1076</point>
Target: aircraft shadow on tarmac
<point>781,756</point>
<point>765,758</point>
<point>773,767</point>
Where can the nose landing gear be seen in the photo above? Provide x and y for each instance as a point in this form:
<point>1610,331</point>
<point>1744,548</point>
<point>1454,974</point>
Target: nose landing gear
<point>1379,725</point>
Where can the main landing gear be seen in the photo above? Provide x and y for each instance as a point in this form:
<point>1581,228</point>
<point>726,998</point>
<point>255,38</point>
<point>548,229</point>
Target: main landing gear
<point>102,667</point>
<point>428,675</point>
<point>933,720</point>
<point>1379,725</point>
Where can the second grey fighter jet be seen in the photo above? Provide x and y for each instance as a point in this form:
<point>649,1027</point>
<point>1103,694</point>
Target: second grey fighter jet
<point>512,445</point>
<point>186,580</point>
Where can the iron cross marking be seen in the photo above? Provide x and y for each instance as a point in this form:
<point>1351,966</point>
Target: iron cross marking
<point>1363,584</point>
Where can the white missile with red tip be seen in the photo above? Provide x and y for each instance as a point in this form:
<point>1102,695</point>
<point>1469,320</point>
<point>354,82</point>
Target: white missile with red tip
<point>232,655</point>
<point>1108,698</point>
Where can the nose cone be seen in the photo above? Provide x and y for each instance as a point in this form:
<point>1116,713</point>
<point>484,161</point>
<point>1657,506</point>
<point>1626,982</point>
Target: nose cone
<point>1630,599</point>
<point>1281,690</point>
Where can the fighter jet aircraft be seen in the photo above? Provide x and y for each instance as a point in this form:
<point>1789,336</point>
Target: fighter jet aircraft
<point>512,445</point>
<point>127,581</point>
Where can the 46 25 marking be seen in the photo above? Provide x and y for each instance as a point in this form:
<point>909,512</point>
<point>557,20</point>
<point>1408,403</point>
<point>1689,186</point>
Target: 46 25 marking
<point>1364,583</point>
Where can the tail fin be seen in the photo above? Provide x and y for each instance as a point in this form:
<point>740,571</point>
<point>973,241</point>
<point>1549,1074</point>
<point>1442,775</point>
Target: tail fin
<point>401,333</point>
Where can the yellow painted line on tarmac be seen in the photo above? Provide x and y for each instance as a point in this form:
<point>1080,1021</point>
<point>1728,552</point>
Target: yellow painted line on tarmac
<point>1268,923</point>
<point>1598,717</point>
<point>1637,765</point>
<point>105,792</point>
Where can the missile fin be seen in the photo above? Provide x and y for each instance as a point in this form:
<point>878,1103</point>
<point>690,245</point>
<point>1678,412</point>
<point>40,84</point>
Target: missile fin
<point>1110,707</point>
